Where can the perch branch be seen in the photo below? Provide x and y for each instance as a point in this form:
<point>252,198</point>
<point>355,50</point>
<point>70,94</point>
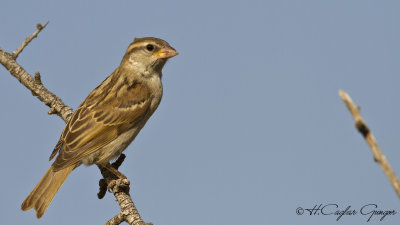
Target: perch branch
<point>128,211</point>
<point>362,127</point>
<point>120,190</point>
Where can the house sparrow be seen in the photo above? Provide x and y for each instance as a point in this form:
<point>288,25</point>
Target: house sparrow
<point>108,120</point>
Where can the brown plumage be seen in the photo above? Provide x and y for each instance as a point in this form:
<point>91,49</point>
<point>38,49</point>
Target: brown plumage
<point>108,120</point>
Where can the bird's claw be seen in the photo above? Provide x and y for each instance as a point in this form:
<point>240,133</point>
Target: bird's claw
<point>111,185</point>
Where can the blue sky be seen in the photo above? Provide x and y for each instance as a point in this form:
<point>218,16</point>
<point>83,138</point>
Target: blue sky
<point>250,126</point>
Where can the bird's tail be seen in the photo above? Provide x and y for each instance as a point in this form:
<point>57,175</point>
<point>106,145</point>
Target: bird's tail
<point>44,192</point>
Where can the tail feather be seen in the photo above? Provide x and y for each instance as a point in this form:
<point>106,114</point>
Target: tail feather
<point>44,192</point>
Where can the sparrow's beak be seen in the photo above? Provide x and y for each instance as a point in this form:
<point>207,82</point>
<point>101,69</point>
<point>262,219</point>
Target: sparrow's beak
<point>166,53</point>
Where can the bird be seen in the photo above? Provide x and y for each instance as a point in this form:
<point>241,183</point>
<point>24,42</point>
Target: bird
<point>108,120</point>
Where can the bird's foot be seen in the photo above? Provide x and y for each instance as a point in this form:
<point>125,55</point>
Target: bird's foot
<point>121,183</point>
<point>111,185</point>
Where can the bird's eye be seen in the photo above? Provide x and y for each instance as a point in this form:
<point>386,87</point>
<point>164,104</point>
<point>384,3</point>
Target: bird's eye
<point>150,47</point>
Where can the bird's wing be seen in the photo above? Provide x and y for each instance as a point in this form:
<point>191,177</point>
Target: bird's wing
<point>99,120</point>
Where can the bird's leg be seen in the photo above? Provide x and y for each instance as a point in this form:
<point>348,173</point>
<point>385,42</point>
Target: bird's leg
<point>109,175</point>
<point>114,171</point>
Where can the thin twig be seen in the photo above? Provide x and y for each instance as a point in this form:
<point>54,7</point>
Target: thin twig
<point>362,127</point>
<point>39,27</point>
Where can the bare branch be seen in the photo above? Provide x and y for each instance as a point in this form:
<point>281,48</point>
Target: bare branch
<point>118,219</point>
<point>35,86</point>
<point>39,27</point>
<point>362,127</point>
<point>128,211</point>
<point>120,189</point>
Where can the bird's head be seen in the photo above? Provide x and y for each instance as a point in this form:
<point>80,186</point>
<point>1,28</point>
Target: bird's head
<point>148,54</point>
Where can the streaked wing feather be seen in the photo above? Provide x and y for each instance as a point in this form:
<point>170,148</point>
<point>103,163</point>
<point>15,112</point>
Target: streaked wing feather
<point>94,126</point>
